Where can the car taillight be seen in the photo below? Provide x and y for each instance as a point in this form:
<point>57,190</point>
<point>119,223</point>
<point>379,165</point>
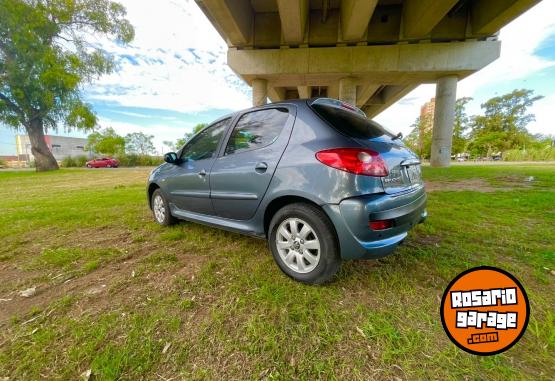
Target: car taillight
<point>354,160</point>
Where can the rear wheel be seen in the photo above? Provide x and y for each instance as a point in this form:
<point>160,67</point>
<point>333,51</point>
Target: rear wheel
<point>89,166</point>
<point>304,244</point>
<point>161,209</point>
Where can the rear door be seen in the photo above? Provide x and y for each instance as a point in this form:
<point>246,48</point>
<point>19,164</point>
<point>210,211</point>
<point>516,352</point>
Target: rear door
<point>241,175</point>
<point>189,184</point>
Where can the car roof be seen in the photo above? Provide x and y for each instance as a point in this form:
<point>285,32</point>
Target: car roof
<point>304,102</point>
<point>297,102</point>
<point>267,105</point>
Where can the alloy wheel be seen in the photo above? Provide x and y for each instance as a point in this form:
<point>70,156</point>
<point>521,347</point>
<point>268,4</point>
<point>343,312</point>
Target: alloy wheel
<point>298,245</point>
<point>159,209</point>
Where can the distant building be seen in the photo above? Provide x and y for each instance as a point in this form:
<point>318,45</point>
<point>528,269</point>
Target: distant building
<point>427,112</point>
<point>426,120</point>
<point>60,146</point>
<point>9,161</point>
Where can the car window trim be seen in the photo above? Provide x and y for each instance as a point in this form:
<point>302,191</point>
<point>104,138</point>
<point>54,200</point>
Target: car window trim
<point>217,150</point>
<point>239,116</point>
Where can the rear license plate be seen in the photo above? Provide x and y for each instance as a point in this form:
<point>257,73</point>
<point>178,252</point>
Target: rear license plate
<point>414,174</point>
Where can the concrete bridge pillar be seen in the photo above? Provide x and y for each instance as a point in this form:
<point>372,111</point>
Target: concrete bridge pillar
<point>444,119</point>
<point>259,91</point>
<point>348,91</point>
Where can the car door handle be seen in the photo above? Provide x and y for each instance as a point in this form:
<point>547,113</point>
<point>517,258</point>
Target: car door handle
<point>261,167</point>
<point>202,173</point>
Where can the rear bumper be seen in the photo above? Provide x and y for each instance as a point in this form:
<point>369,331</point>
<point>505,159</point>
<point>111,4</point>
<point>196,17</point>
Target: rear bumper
<point>351,217</point>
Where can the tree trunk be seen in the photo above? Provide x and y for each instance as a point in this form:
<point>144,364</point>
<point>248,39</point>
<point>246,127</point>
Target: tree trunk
<point>44,160</point>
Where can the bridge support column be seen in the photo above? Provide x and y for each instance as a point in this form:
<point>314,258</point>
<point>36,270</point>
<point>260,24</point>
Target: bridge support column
<point>444,119</point>
<point>259,92</point>
<point>348,90</point>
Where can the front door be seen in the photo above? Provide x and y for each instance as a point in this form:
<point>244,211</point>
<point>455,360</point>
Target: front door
<point>240,177</point>
<point>189,185</point>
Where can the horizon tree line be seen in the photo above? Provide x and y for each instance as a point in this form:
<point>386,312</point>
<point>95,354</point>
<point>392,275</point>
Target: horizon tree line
<point>501,127</point>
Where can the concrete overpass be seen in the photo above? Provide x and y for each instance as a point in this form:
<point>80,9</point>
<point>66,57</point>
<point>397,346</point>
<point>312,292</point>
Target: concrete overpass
<point>365,52</point>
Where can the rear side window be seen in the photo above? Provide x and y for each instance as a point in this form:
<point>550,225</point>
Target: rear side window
<point>350,123</point>
<point>257,129</point>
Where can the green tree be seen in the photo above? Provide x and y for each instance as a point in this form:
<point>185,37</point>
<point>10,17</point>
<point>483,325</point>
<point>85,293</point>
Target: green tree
<point>45,57</point>
<point>180,143</point>
<point>411,140</point>
<point>107,142</point>
<point>543,141</point>
<point>461,126</point>
<point>188,135</point>
<point>171,145</point>
<point>503,125</point>
<point>420,137</point>
<point>139,143</point>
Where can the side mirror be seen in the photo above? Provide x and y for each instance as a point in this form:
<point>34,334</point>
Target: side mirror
<point>171,157</point>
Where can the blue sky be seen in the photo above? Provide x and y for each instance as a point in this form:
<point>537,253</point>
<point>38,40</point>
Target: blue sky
<point>174,75</point>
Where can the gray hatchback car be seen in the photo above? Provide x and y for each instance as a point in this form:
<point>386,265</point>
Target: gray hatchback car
<point>316,178</point>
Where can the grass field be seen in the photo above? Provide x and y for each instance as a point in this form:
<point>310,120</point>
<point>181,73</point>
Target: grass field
<point>120,296</point>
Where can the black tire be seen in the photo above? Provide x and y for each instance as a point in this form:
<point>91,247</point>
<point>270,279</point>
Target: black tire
<point>168,219</point>
<point>323,230</point>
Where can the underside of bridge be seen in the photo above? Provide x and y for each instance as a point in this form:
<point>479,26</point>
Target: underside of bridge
<point>369,53</point>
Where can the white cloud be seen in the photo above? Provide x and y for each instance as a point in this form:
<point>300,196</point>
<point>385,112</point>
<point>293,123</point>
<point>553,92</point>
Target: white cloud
<point>520,39</point>
<point>133,114</point>
<point>543,110</point>
<point>176,62</point>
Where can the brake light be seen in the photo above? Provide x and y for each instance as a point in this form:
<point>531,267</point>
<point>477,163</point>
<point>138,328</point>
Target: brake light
<point>348,107</point>
<point>380,224</point>
<point>354,160</point>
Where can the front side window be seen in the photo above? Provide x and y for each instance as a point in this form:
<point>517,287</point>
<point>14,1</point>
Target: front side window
<point>205,144</point>
<point>257,129</point>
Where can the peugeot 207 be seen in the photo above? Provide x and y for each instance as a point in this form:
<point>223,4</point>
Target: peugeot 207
<point>316,178</point>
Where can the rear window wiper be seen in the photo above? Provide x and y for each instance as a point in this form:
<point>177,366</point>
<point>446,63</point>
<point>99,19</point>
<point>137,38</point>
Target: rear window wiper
<point>398,136</point>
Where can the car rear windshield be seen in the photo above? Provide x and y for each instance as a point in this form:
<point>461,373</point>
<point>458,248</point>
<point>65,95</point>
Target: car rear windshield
<point>349,122</point>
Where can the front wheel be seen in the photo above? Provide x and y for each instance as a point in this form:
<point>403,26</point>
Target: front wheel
<point>161,210</point>
<point>304,244</point>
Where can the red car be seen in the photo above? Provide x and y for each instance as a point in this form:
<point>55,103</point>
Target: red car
<point>104,162</point>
